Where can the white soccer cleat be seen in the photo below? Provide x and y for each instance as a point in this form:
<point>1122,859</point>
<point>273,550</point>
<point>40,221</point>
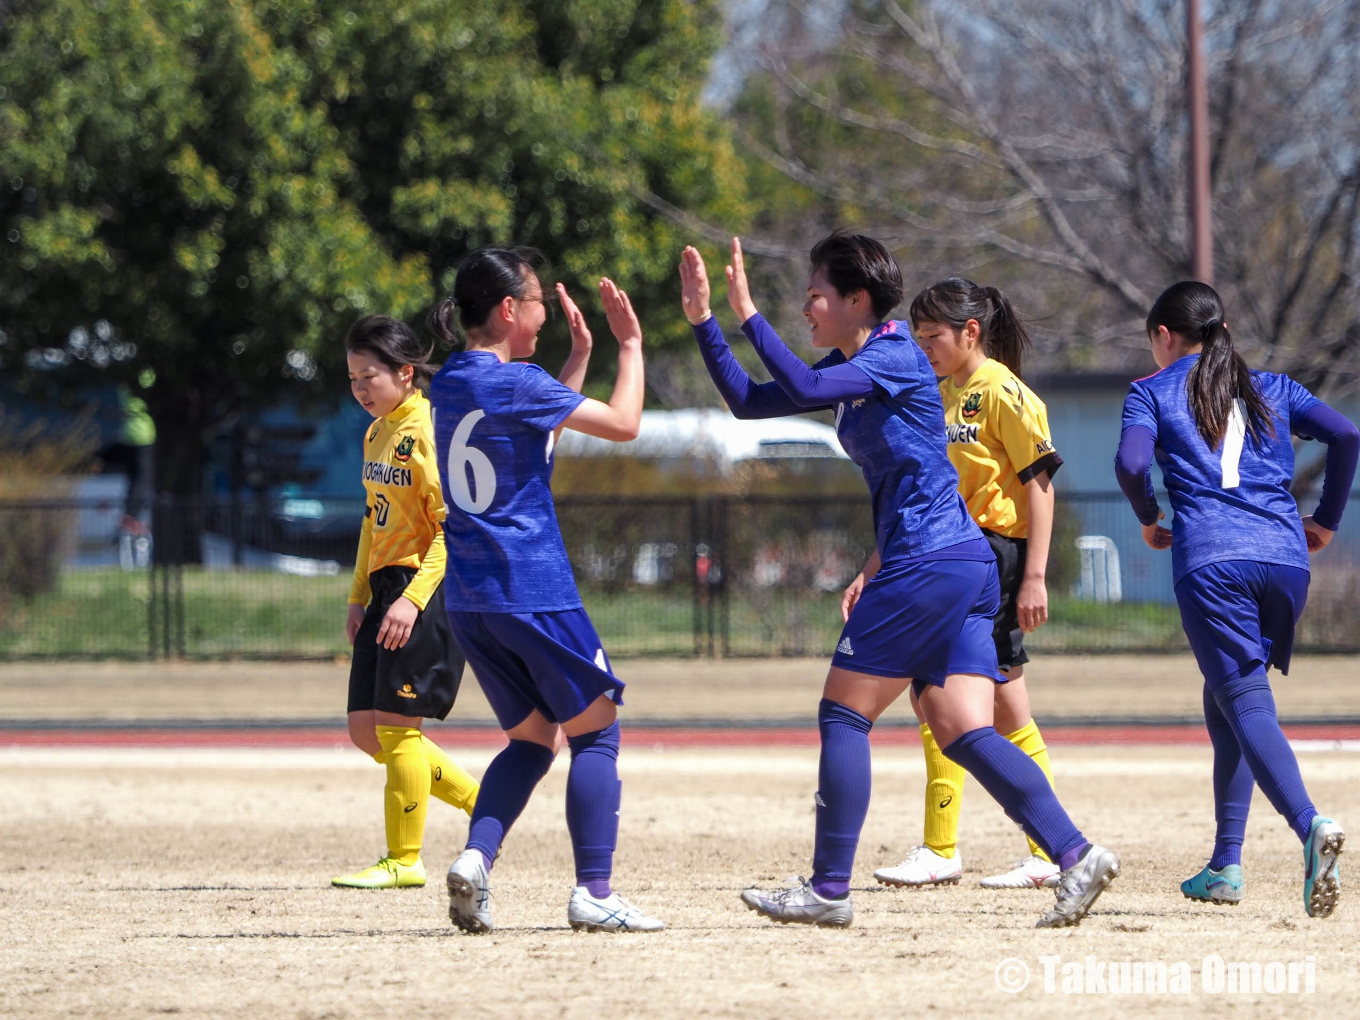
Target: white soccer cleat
<point>1321,876</point>
<point>470,893</point>
<point>613,913</point>
<point>798,903</point>
<point>1079,886</point>
<point>1032,872</point>
<point>922,867</point>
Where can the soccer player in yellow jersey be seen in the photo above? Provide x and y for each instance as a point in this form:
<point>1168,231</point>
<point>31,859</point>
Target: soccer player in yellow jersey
<point>406,666</point>
<point>998,441</point>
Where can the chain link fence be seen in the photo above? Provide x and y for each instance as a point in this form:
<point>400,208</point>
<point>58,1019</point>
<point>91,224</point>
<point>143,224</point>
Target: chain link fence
<point>700,577</point>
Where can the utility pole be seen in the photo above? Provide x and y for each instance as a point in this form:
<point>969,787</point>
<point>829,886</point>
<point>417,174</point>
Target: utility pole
<point>1201,225</point>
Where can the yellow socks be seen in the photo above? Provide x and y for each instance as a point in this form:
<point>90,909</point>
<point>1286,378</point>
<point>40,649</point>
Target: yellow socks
<point>407,793</point>
<point>944,796</point>
<point>448,781</point>
<point>1028,739</point>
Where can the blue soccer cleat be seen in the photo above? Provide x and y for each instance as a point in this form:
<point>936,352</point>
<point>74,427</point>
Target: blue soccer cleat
<point>1210,886</point>
<point>1321,878</point>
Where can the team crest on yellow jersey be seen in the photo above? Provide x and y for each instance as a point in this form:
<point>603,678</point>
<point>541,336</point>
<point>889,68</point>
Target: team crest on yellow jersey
<point>972,405</point>
<point>404,448</point>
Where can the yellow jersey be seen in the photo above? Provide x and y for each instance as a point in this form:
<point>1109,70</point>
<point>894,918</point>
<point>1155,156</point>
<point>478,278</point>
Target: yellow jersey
<point>404,504</point>
<point>998,439</point>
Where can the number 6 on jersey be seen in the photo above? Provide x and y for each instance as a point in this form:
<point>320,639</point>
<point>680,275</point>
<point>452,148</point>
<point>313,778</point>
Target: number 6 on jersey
<point>462,456</point>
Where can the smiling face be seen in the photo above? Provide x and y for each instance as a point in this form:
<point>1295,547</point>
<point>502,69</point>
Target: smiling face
<point>949,349</point>
<point>380,390</point>
<point>834,319</point>
<point>524,317</point>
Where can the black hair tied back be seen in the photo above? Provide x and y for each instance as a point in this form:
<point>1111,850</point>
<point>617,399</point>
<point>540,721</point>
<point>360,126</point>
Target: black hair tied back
<point>393,343</point>
<point>486,277</point>
<point>1220,377</point>
<point>954,301</point>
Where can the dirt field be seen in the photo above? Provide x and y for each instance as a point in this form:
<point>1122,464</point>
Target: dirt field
<point>194,882</point>
<point>1061,687</point>
<point>142,883</point>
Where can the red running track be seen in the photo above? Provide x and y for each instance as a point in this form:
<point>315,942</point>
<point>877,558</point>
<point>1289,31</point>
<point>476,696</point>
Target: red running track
<point>654,736</point>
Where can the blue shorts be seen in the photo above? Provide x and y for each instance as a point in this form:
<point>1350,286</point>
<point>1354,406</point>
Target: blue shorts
<point>1239,616</point>
<point>552,662</point>
<point>924,619</point>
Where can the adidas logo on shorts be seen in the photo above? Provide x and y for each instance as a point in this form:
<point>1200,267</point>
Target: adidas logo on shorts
<point>845,648</point>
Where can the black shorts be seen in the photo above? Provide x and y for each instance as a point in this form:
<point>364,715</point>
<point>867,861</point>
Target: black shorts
<point>419,679</point>
<point>1010,567</point>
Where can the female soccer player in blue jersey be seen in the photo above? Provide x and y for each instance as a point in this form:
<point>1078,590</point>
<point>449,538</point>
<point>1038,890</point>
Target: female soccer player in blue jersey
<point>1239,553</point>
<point>512,598</point>
<point>924,615</point>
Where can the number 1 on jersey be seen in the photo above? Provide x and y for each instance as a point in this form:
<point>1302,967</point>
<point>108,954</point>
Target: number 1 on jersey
<point>461,457</point>
<point>1234,438</point>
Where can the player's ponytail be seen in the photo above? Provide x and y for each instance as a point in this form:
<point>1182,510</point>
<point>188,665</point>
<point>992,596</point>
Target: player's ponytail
<point>1005,337</point>
<point>393,343</point>
<point>954,301</point>
<point>1194,311</point>
<point>485,278</point>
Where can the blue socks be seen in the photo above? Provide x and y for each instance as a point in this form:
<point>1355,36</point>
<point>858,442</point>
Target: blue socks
<point>1021,788</point>
<point>593,791</point>
<point>844,779</point>
<point>1233,784</point>
<point>506,787</point>
<point>1249,710</point>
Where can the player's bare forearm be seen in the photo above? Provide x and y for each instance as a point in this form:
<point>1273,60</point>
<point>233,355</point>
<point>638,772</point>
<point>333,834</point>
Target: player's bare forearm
<point>573,373</point>
<point>629,386</point>
<point>1040,496</point>
<point>871,566</point>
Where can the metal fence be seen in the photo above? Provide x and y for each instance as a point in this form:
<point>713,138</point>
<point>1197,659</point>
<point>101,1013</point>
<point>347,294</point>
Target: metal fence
<point>707,576</point>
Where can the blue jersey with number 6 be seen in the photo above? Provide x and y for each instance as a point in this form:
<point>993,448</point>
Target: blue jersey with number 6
<point>1232,502</point>
<point>493,427</point>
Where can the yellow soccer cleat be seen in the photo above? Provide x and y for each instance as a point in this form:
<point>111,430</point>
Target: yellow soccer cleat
<point>388,873</point>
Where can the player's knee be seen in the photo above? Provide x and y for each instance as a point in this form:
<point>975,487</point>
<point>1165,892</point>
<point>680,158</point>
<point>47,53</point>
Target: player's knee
<point>604,741</point>
<point>364,736</point>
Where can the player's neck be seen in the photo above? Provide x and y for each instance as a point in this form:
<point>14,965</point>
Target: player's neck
<point>971,364</point>
<point>857,340</point>
<point>499,346</point>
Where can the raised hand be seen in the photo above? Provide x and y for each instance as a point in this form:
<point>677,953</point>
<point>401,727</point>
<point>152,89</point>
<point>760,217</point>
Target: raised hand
<point>623,321</point>
<point>738,290</point>
<point>694,288</point>
<point>581,339</point>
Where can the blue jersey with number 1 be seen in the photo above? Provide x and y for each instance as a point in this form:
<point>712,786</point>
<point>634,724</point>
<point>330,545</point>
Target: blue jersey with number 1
<point>493,426</point>
<point>1232,502</point>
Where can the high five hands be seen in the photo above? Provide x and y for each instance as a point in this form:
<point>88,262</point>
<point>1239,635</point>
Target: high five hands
<point>618,312</point>
<point>695,291</point>
<point>581,339</point>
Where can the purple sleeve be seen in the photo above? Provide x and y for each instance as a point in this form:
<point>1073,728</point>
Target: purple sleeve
<point>1133,468</point>
<point>809,388</point>
<point>1320,422</point>
<point>745,399</point>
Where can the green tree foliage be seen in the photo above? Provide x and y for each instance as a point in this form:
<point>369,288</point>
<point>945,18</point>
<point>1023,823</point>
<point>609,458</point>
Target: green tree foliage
<point>216,190</point>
